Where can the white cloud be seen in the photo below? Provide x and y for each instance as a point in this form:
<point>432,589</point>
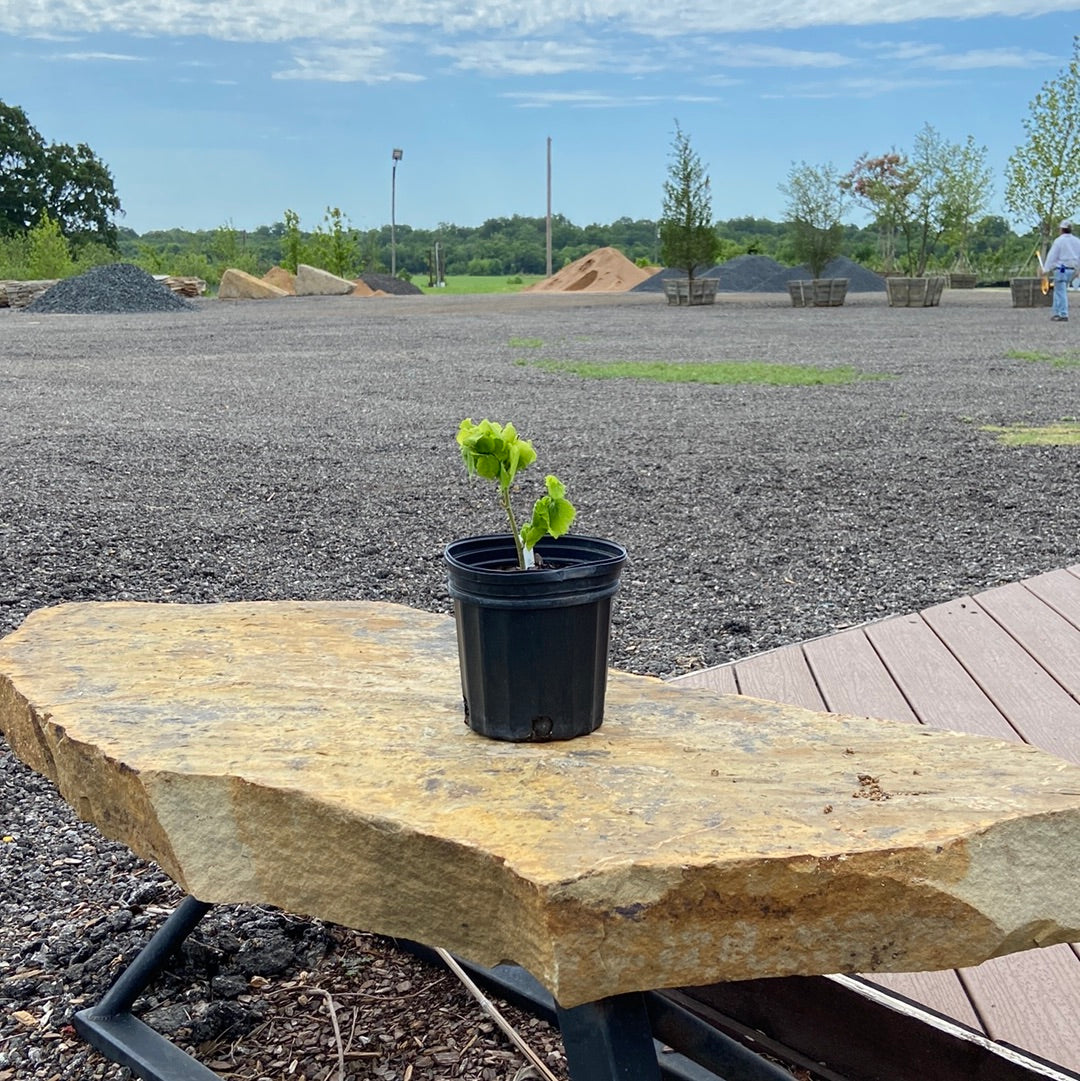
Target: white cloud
<point>514,56</point>
<point>769,56</point>
<point>354,20</point>
<point>588,99</point>
<point>346,64</point>
<point>97,56</point>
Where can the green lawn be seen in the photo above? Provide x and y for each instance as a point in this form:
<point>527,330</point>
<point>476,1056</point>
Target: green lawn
<point>724,371</point>
<point>1064,434</point>
<point>476,283</point>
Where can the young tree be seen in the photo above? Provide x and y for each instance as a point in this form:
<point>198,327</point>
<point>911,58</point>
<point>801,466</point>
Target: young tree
<point>968,190</point>
<point>687,237</point>
<point>335,245</point>
<point>883,185</point>
<point>1042,177</point>
<point>816,202</point>
<point>292,242</point>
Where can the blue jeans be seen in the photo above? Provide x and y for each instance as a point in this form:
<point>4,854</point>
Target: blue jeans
<point>1062,277</point>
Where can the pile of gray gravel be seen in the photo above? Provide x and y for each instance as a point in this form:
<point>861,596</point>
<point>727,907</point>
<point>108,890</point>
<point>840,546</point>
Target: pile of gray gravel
<point>277,452</point>
<point>115,288</point>
<point>763,274</point>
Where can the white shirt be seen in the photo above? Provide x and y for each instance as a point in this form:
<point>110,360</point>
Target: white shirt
<point>1064,251</point>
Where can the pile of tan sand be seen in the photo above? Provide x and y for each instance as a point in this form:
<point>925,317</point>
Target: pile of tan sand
<point>605,270</point>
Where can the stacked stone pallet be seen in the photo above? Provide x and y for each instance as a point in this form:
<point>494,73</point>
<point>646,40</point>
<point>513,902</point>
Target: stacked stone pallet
<point>17,294</point>
<point>184,287</point>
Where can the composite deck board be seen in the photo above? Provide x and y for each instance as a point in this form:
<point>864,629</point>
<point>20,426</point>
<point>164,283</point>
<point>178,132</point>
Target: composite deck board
<point>851,679</point>
<point>1006,664</point>
<point>937,686</point>
<point>1031,1000</point>
<point>781,676</point>
<point>943,992</point>
<point>1060,590</point>
<point>1049,637</point>
<point>721,678</point>
<point>1036,705</point>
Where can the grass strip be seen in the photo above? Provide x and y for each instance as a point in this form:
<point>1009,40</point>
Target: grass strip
<point>1055,360</point>
<point>718,372</point>
<point>1064,434</point>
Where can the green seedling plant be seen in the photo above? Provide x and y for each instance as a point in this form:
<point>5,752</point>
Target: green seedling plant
<point>496,452</point>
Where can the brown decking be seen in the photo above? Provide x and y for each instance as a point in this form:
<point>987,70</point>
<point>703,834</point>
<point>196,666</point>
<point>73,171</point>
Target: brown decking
<point>1004,663</point>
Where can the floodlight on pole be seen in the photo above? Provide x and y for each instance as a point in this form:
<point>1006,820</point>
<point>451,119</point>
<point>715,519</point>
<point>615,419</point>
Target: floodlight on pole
<point>395,156</point>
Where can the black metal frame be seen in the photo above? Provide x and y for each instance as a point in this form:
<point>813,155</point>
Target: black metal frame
<point>633,1037</point>
<point>110,1026</point>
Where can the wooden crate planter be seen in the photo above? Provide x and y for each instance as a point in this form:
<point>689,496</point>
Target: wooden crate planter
<point>818,292</point>
<point>682,291</point>
<point>962,281</point>
<point>1027,293</point>
<point>914,292</point>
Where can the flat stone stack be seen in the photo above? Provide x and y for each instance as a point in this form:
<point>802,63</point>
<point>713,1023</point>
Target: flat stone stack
<point>17,294</point>
<point>183,286</point>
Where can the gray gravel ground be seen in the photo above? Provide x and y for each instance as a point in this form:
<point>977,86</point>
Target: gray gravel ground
<point>304,448</point>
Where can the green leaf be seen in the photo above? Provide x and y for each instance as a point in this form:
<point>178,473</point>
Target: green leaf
<point>553,514</point>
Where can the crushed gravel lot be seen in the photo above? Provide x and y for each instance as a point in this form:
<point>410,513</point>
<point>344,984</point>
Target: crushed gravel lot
<point>304,448</point>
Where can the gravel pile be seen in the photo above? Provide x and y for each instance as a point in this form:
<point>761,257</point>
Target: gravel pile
<point>389,284</point>
<point>763,274</point>
<point>115,288</point>
<point>283,452</point>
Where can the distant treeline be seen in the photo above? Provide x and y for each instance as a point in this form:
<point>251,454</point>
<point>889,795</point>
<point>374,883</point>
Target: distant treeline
<point>517,245</point>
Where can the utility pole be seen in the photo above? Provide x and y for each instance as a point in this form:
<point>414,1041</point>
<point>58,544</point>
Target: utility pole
<point>395,157</point>
<point>547,230</point>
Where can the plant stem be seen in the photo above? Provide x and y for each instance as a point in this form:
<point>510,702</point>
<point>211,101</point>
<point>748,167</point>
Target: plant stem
<point>505,494</point>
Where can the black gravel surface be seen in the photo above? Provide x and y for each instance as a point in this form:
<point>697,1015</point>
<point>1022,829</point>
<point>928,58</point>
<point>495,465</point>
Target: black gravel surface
<point>306,450</point>
<point>114,288</point>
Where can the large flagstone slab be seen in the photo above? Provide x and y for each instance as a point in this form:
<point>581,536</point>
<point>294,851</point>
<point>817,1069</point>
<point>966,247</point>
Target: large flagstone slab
<point>314,756</point>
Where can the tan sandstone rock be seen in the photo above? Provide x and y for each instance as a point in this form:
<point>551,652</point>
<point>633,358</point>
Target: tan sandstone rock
<point>313,282</point>
<point>238,285</point>
<point>312,755</point>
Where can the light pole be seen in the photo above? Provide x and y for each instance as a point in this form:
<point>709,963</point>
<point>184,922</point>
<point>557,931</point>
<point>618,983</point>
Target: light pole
<point>396,157</point>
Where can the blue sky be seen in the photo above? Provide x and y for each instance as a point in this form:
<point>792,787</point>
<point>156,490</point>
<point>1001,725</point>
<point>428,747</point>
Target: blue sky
<point>209,113</point>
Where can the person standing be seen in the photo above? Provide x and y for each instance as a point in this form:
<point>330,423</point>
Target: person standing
<point>1062,260</point>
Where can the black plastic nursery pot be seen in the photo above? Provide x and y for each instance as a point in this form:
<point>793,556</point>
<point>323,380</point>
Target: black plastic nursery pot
<point>533,645</point>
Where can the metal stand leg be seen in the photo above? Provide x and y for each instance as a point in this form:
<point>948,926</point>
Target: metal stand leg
<point>609,1040</point>
<point>111,1029</point>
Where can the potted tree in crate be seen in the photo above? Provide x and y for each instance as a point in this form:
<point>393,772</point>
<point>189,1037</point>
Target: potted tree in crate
<point>688,240</point>
<point>816,202</point>
<point>532,607</point>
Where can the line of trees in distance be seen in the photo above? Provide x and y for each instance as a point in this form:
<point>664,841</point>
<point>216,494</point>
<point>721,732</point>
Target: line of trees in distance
<point>515,245</point>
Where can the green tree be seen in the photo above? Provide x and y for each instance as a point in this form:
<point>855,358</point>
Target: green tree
<point>80,194</point>
<point>816,203</point>
<point>968,188</point>
<point>70,184</point>
<point>48,253</point>
<point>883,185</point>
<point>335,245</point>
<point>1042,177</point>
<point>687,237</point>
<point>229,249</point>
<point>22,167</point>
<point>292,242</point>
